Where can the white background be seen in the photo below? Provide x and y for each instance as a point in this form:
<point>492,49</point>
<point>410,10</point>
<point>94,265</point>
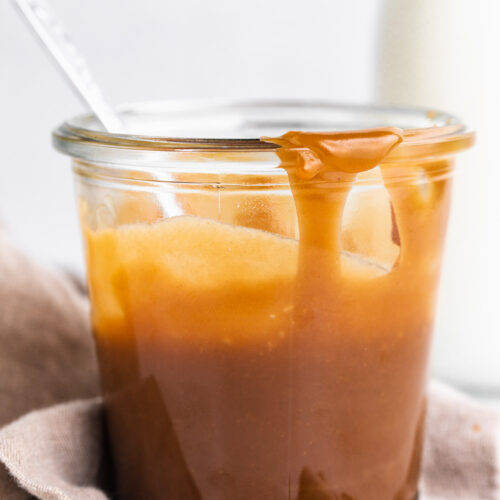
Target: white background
<point>158,49</point>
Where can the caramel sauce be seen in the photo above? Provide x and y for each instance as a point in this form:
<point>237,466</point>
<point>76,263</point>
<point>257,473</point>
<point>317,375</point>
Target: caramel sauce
<point>239,364</point>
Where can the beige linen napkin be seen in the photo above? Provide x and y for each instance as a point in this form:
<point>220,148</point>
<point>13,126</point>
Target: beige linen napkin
<point>46,353</point>
<point>461,450</point>
<point>58,453</point>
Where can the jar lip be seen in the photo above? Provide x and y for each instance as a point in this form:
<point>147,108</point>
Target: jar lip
<point>426,132</point>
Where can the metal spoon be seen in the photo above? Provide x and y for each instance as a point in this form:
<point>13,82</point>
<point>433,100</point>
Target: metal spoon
<point>53,36</point>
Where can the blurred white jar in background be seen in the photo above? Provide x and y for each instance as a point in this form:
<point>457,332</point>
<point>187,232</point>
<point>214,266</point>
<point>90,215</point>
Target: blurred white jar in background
<point>444,54</point>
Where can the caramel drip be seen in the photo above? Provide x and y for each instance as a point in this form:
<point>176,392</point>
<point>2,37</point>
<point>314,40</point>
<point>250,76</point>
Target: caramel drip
<point>322,168</point>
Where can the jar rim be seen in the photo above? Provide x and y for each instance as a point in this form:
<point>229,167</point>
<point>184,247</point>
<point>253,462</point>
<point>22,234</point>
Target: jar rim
<point>425,132</point>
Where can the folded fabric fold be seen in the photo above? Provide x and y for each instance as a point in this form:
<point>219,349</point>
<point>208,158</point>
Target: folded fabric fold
<point>57,453</point>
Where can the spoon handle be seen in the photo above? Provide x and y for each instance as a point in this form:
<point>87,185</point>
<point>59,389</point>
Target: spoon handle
<point>53,36</point>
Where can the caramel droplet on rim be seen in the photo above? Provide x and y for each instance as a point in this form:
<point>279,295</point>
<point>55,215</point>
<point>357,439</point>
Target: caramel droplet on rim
<point>349,152</point>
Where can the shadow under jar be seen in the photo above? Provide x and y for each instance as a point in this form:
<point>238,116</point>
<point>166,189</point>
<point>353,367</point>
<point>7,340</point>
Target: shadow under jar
<point>262,334</point>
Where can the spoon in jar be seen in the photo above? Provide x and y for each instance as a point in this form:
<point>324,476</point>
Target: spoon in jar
<point>53,36</point>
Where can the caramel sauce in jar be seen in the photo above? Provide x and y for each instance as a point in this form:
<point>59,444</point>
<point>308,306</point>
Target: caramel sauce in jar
<point>263,351</point>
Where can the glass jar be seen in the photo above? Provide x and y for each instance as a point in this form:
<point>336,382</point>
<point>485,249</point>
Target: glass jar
<point>254,340</point>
